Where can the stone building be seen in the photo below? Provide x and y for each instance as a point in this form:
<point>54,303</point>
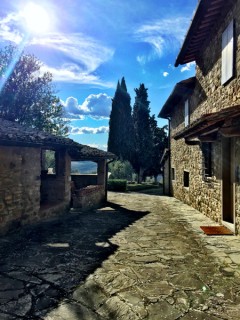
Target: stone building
<point>30,190</point>
<point>204,115</point>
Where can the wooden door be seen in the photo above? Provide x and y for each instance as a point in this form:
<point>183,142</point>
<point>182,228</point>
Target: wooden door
<point>227,181</point>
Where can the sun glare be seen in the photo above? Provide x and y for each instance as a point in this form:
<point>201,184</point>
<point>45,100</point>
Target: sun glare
<point>36,18</point>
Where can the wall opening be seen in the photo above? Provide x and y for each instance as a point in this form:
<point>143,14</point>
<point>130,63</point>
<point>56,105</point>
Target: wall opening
<point>186,179</point>
<point>83,167</point>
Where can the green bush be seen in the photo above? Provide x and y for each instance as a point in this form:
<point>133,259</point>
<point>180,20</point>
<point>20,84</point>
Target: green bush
<point>117,185</point>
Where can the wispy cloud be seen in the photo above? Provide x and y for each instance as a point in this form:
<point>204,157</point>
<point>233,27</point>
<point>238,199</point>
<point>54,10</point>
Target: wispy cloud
<point>188,66</point>
<point>88,130</point>
<point>163,36</point>
<point>88,52</point>
<point>97,106</point>
<point>71,72</point>
<point>81,55</point>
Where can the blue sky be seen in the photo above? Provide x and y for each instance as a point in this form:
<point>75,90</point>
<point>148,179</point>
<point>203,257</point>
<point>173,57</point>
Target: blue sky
<point>89,45</point>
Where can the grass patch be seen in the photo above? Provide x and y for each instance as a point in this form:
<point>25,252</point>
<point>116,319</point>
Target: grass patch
<point>140,187</point>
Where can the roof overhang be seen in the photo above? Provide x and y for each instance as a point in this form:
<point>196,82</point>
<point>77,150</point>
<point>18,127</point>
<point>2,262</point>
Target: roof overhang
<point>226,122</point>
<point>206,15</point>
<point>181,90</point>
<point>86,153</point>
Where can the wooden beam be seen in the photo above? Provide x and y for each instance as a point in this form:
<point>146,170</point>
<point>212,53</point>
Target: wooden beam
<point>233,131</point>
<point>211,137</point>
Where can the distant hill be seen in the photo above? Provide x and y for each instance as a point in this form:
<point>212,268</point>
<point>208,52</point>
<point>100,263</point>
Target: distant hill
<point>84,167</point>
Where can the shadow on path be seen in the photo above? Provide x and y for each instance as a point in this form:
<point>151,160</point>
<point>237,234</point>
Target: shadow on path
<point>42,264</point>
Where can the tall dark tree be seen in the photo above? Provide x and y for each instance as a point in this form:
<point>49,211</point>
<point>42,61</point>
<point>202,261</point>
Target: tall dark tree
<point>160,142</point>
<point>143,143</point>
<point>120,140</point>
<point>26,95</point>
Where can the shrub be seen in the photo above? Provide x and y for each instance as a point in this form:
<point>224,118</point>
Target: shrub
<point>121,170</point>
<point>117,185</point>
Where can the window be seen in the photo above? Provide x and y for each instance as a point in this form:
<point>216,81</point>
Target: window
<point>173,173</point>
<point>49,161</point>
<point>207,158</point>
<point>186,113</point>
<point>186,179</point>
<point>227,53</point>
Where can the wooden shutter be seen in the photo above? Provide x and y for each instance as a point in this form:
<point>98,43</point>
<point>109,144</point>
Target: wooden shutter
<point>227,53</point>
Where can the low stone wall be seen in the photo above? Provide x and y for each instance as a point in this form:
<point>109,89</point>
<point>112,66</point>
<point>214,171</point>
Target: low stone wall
<point>88,197</point>
<point>84,180</point>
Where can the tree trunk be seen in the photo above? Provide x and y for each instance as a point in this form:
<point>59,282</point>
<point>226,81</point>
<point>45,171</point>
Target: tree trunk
<point>140,175</point>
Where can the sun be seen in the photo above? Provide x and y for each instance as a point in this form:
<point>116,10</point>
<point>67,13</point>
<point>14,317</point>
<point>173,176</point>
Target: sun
<point>36,18</point>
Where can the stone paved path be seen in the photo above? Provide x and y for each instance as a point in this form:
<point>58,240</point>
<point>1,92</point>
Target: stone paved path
<point>141,257</point>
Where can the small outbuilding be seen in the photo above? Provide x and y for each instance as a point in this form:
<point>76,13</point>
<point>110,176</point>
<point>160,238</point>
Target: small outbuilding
<point>35,175</point>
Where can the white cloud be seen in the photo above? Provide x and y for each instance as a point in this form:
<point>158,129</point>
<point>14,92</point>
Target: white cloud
<point>165,74</point>
<point>188,66</point>
<point>98,146</point>
<point>97,106</point>
<point>88,130</point>
<point>8,30</point>
<point>163,35</point>
<point>72,73</point>
<point>86,55</point>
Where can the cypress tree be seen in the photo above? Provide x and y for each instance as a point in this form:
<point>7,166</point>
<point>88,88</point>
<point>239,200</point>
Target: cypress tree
<point>142,132</point>
<point>121,125</point>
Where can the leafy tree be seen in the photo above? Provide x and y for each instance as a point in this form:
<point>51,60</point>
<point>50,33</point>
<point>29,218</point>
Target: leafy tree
<point>121,125</point>
<point>26,95</point>
<point>160,141</point>
<point>121,170</point>
<point>143,143</point>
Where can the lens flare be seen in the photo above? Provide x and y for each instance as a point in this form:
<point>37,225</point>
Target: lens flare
<point>36,18</point>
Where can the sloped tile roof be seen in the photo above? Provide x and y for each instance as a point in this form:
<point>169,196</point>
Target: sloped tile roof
<point>14,134</point>
<point>181,90</point>
<point>206,15</point>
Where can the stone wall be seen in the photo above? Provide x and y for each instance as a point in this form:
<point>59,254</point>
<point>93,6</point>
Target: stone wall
<point>89,197</point>
<point>19,185</point>
<point>205,194</point>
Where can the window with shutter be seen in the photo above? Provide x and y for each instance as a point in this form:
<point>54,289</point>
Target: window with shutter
<point>227,53</point>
